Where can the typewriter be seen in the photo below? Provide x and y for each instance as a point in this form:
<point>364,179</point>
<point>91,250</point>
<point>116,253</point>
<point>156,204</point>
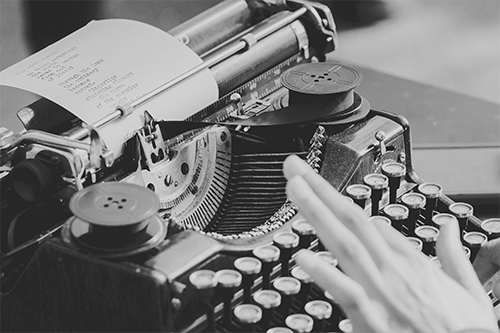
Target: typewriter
<point>190,228</point>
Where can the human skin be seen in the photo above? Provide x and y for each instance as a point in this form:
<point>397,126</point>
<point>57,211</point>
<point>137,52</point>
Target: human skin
<point>386,285</point>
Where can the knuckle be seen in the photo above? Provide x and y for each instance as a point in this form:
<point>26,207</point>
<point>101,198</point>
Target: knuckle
<point>349,251</point>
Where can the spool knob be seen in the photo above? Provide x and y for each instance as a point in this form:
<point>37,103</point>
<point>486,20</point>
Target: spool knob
<point>31,179</point>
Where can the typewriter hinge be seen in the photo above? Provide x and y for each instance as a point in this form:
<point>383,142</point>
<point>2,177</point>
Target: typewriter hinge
<point>152,143</point>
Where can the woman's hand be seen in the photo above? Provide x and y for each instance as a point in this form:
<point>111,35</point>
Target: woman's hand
<point>386,285</point>
<point>487,264</point>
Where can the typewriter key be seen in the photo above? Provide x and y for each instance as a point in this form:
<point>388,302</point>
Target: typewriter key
<point>415,203</point>
<point>288,287</point>
<point>300,323</point>
<point>305,231</point>
<point>248,315</point>
<point>380,219</point>
<point>428,235</point>
<point>327,256</point>
<point>416,242</point>
<point>462,212</point>
<point>320,311</point>
<point>279,330</point>
<point>467,251</point>
<point>337,312</point>
<point>268,300</point>
<point>398,214</point>
<point>359,193</point>
<point>268,255</point>
<point>115,220</point>
<point>435,261</point>
<point>378,183</point>
<point>286,242</point>
<point>305,281</point>
<point>432,192</point>
<point>227,282</point>
<point>474,240</point>
<point>442,218</point>
<point>491,227</point>
<point>204,281</point>
<point>345,326</point>
<point>248,267</point>
<point>394,171</point>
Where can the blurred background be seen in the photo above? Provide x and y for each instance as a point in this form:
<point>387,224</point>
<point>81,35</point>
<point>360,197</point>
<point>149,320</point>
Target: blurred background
<point>454,45</point>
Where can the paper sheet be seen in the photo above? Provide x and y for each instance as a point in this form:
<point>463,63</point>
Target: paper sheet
<point>109,63</point>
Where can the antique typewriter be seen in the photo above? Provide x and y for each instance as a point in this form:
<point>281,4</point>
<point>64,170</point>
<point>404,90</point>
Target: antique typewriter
<point>190,229</point>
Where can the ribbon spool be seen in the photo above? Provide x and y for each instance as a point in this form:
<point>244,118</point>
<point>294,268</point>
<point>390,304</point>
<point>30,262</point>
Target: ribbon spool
<point>328,86</point>
<point>115,219</point>
<point>325,84</point>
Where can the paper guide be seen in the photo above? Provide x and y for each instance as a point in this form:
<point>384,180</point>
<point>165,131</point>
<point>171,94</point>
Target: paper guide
<point>110,63</point>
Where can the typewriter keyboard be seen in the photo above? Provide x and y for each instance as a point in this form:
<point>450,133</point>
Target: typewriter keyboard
<point>267,292</point>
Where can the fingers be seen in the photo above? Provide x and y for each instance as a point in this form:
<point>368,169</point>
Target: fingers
<point>347,292</point>
<point>453,259</point>
<point>352,216</point>
<point>487,261</point>
<point>396,241</point>
<point>348,249</point>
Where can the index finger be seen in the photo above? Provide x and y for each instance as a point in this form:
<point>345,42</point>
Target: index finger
<point>352,255</point>
<point>352,216</point>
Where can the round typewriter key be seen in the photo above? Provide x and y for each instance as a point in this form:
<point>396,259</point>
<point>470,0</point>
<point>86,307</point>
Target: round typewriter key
<point>279,330</point>
<point>435,261</point>
<point>394,171</point>
<point>320,311</point>
<point>359,193</point>
<point>378,183</point>
<point>345,326</point>
<point>227,282</point>
<point>248,267</point>
<point>337,312</point>
<point>286,242</point>
<point>432,192</point>
<point>348,199</point>
<point>305,231</point>
<point>462,212</point>
<point>300,323</point>
<point>248,315</point>
<point>268,255</point>
<point>397,213</point>
<point>442,218</point>
<point>491,227</point>
<point>415,242</point>
<point>327,257</point>
<point>204,281</point>
<point>474,240</point>
<point>415,203</point>
<point>268,300</point>
<point>413,200</point>
<point>380,219</point>
<point>428,235</point>
<point>305,281</point>
<point>288,287</point>
<point>467,252</point>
